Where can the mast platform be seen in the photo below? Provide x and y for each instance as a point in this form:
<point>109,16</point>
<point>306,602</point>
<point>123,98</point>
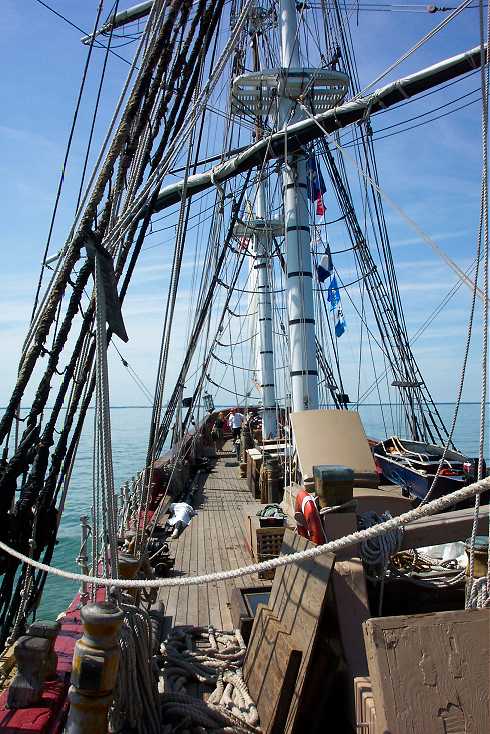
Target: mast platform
<point>212,542</point>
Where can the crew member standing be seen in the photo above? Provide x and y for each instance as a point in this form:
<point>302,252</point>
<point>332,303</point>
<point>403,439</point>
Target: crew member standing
<point>235,422</point>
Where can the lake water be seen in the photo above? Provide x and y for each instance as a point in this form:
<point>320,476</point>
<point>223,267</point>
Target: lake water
<point>129,438</point>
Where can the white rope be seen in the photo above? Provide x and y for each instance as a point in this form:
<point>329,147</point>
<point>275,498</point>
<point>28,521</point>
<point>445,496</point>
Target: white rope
<point>436,506</point>
<point>140,709</point>
<point>212,658</point>
<point>484,365</point>
<point>477,598</point>
<point>377,551</point>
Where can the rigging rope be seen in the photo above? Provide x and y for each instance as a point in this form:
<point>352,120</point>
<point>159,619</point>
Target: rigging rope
<point>65,160</point>
<point>42,488</point>
<point>444,22</point>
<point>105,470</point>
<point>416,227</point>
<point>476,595</point>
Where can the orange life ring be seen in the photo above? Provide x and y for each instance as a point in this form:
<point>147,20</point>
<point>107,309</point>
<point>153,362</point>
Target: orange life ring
<point>307,517</point>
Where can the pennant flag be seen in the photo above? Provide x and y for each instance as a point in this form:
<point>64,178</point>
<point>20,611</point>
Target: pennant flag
<point>339,321</point>
<point>316,185</point>
<point>325,267</point>
<point>333,294</point>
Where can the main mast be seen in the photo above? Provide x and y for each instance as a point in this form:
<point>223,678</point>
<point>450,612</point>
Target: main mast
<point>301,316</point>
<point>259,93</point>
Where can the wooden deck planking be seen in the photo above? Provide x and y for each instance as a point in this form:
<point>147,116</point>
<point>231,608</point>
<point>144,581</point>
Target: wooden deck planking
<point>212,542</point>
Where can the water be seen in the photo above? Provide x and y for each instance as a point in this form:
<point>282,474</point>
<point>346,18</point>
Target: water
<point>129,444</point>
<point>130,433</point>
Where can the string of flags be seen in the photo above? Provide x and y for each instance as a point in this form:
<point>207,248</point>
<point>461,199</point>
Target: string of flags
<point>316,190</point>
<point>325,270</point>
<point>333,297</point>
<point>325,266</point>
<point>316,184</point>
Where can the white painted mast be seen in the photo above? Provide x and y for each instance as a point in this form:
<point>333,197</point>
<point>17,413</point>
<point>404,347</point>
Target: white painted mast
<point>257,93</point>
<point>262,230</point>
<point>302,349</point>
<point>264,307</point>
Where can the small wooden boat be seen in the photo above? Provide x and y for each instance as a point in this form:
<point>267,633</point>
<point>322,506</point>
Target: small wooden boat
<point>414,465</point>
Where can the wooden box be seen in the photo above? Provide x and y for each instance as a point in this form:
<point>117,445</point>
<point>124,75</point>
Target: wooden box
<point>262,543</point>
<point>333,484</point>
<point>266,544</point>
<point>430,672</point>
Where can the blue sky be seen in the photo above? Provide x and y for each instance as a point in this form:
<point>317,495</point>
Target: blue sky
<point>432,172</point>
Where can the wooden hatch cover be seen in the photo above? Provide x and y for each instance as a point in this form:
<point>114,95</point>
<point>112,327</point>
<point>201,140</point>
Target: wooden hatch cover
<point>277,666</point>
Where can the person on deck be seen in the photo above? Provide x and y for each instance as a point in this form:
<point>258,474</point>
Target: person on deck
<point>307,517</point>
<point>235,423</point>
<point>217,432</point>
<point>181,514</point>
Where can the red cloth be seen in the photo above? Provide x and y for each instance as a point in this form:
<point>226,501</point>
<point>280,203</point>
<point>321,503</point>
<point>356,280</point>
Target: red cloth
<point>320,206</point>
<point>305,507</point>
<point>49,715</point>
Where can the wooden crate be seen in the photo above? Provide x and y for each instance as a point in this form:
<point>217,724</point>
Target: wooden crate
<point>266,544</point>
<point>429,672</point>
<point>262,543</point>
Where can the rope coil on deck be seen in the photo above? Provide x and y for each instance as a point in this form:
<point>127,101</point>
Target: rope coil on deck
<point>206,657</point>
<point>437,505</point>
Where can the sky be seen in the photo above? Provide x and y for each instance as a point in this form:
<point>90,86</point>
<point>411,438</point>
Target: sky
<point>432,172</point>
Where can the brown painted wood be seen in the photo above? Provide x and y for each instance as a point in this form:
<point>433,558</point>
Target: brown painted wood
<point>444,528</point>
<point>351,602</point>
<point>430,672</point>
<point>290,623</point>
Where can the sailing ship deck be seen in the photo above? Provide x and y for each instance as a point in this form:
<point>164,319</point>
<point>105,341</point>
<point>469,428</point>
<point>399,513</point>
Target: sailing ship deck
<point>213,542</point>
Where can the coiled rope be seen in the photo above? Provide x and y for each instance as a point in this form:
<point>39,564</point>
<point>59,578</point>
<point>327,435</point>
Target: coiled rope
<point>377,551</point>
<point>140,709</point>
<point>436,506</point>
<point>477,598</point>
<point>216,661</point>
